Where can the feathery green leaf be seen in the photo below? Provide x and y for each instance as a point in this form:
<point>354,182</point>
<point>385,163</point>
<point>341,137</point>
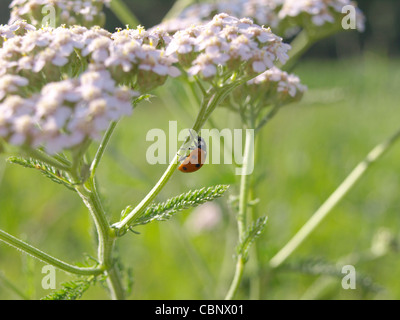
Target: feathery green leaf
<point>252,233</point>
<point>50,172</point>
<point>71,290</point>
<point>165,210</point>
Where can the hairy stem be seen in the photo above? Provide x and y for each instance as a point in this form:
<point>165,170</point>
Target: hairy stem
<point>102,148</point>
<point>236,279</point>
<point>106,237</point>
<point>242,214</point>
<point>358,172</point>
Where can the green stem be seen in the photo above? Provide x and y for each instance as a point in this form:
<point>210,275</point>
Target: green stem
<point>253,263</point>
<point>237,278</point>
<point>300,45</point>
<point>267,118</point>
<point>304,40</point>
<point>117,291</point>
<point>358,172</point>
<point>102,148</point>
<point>242,217</point>
<point>62,160</point>
<point>139,209</point>
<point>124,14</point>
<point>106,237</point>
<point>244,187</point>
<point>38,254</point>
<point>177,8</point>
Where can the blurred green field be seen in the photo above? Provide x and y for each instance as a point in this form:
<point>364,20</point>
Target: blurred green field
<point>304,153</point>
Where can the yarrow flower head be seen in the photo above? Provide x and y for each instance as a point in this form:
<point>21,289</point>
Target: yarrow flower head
<point>47,54</point>
<point>135,51</point>
<point>227,44</point>
<point>262,12</point>
<point>62,86</point>
<point>276,87</point>
<point>81,12</point>
<point>11,84</point>
<point>66,113</point>
<point>284,17</point>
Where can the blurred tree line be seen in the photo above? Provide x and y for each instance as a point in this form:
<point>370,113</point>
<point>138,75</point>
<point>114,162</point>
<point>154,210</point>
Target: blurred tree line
<point>382,34</point>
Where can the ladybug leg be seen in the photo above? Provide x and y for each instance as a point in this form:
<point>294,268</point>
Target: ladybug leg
<point>184,156</point>
<point>188,146</point>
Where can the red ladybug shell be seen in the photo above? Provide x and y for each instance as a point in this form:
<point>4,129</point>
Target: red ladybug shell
<point>195,160</point>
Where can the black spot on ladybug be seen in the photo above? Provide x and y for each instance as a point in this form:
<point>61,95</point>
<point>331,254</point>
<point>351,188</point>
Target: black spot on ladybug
<point>197,165</point>
<point>184,168</point>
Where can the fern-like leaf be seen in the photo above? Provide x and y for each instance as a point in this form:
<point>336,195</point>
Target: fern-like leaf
<point>252,233</point>
<point>50,172</point>
<point>165,210</point>
<point>71,290</point>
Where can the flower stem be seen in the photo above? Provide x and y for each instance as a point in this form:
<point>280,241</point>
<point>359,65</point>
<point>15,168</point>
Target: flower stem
<point>300,45</point>
<point>374,155</point>
<point>242,214</point>
<point>177,8</point>
<point>102,148</point>
<point>106,237</point>
<point>236,279</point>
<point>124,14</point>
<point>267,118</point>
<point>38,254</point>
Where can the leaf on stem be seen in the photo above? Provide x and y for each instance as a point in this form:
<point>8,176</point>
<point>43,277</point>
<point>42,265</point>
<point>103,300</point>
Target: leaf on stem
<point>252,233</point>
<point>144,97</point>
<point>165,210</point>
<point>50,172</point>
<point>71,290</point>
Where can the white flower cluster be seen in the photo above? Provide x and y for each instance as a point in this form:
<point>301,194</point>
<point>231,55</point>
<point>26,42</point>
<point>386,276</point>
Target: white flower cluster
<point>19,27</point>
<point>48,99</point>
<point>83,12</point>
<point>225,44</point>
<point>262,12</point>
<point>157,37</point>
<point>272,13</point>
<point>11,84</point>
<point>125,53</point>
<point>136,50</point>
<point>277,86</point>
<point>64,113</point>
<point>320,11</point>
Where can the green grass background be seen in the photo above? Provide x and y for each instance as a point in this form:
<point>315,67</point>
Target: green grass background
<point>304,154</point>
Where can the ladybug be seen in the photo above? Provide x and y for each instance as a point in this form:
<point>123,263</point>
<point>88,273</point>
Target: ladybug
<point>195,160</point>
